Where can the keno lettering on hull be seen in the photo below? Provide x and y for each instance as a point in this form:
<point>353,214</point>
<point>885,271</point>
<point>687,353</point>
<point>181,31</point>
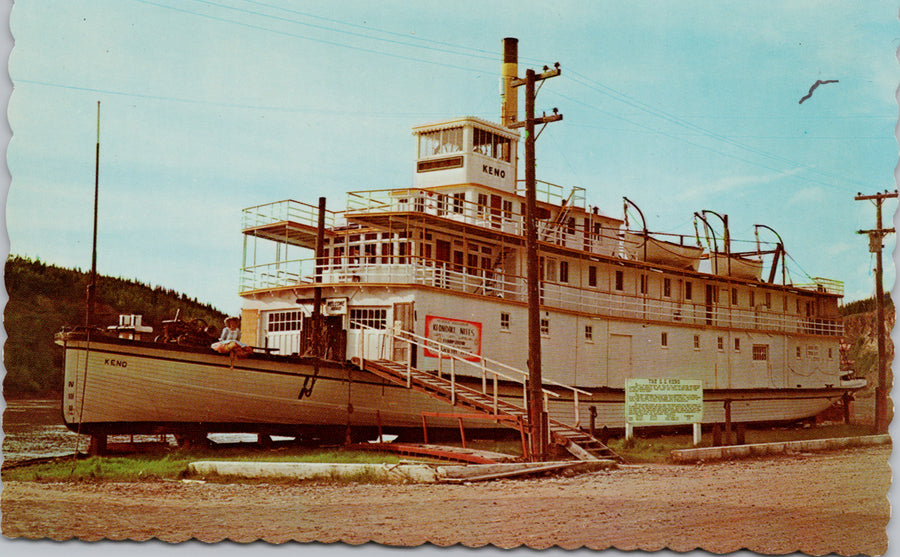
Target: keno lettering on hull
<point>464,336</point>
<point>115,363</point>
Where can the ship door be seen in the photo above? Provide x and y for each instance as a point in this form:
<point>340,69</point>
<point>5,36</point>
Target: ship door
<point>442,249</point>
<point>403,321</point>
<point>496,208</point>
<point>619,358</point>
<point>710,298</point>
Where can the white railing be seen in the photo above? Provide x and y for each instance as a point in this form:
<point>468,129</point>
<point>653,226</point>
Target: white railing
<point>288,210</point>
<point>427,202</point>
<point>456,356</point>
<point>425,272</point>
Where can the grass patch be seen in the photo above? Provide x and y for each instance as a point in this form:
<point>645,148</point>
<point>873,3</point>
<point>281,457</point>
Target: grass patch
<point>170,465</point>
<point>656,448</point>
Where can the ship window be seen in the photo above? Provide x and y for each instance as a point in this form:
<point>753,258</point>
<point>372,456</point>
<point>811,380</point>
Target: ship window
<point>737,345</point>
<point>285,321</point>
<point>768,300</point>
<point>458,200</point>
<point>829,354</point>
<point>375,318</point>
<point>734,297</point>
<point>387,250</point>
<point>799,353</point>
<point>696,342</point>
<point>482,204</point>
<point>370,252</point>
<point>752,299</point>
<point>507,209</point>
<point>620,281</point>
<point>720,344</point>
<point>545,326</point>
<point>643,284</point>
<point>563,271</point>
<point>667,287</point>
<point>812,352</point>
<point>760,352</point>
<point>549,265</point>
<point>440,142</point>
<point>664,339</point>
<point>688,290</point>
<point>491,145</point>
<point>589,333</point>
<point>592,276</point>
<point>504,321</point>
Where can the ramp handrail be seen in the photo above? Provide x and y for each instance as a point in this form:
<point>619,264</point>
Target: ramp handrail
<point>477,361</point>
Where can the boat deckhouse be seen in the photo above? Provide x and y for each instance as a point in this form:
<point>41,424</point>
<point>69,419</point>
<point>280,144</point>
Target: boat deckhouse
<point>413,300</point>
<point>450,250</point>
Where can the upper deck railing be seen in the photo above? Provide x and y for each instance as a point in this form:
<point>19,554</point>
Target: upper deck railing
<point>501,218</point>
<point>411,270</point>
<point>290,211</point>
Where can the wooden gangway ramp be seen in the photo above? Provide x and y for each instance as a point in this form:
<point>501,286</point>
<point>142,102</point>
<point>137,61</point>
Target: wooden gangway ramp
<point>577,442</point>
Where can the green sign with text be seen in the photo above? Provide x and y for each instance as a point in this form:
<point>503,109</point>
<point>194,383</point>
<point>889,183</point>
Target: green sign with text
<point>663,401</point>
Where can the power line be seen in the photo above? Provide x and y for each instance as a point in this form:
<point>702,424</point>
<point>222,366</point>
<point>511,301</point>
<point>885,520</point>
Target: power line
<point>630,101</point>
<point>303,37</point>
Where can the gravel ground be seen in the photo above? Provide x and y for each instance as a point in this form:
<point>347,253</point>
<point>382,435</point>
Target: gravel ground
<point>813,503</point>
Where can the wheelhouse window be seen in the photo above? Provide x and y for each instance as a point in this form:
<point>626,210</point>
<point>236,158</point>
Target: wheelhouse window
<point>441,142</point>
<point>375,318</point>
<point>491,145</point>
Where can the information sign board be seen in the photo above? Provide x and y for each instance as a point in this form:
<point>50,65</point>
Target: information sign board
<point>663,401</point>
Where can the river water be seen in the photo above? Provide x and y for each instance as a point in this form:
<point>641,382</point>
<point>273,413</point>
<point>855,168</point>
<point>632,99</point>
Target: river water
<point>33,428</point>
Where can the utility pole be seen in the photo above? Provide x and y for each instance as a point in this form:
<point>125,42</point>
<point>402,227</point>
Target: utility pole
<point>539,434</point>
<point>875,246</point>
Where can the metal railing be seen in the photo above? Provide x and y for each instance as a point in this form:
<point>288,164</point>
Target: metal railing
<point>415,270</point>
<point>288,210</point>
<point>456,356</point>
<point>428,202</point>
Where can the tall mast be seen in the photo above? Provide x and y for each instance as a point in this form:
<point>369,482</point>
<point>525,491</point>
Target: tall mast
<point>89,317</point>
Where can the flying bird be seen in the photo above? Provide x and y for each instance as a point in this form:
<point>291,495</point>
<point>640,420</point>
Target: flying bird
<point>813,88</point>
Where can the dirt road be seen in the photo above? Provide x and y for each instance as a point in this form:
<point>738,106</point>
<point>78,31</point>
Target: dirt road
<point>814,503</point>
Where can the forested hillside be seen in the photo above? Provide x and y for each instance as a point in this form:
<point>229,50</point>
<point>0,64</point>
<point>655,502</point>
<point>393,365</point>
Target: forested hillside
<point>43,298</point>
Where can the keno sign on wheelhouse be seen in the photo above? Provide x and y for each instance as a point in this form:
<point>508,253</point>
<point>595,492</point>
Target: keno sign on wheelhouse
<point>464,336</point>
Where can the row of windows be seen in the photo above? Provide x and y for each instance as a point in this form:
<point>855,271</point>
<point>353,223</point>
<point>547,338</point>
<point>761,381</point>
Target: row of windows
<point>375,318</point>
<point>291,320</point>
<point>446,141</point>
<point>760,352</point>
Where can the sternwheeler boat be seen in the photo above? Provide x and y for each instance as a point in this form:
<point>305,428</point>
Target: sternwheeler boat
<point>409,304</point>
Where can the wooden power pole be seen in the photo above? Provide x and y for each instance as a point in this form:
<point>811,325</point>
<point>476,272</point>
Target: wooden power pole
<point>539,434</point>
<point>875,246</point>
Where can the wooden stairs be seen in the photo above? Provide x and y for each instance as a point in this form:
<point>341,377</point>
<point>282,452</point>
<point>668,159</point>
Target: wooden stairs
<point>579,443</point>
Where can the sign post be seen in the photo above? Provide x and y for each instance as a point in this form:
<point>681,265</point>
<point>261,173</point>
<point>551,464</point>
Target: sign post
<point>663,401</point>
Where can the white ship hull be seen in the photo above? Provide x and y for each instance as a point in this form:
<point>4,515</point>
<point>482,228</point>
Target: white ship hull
<point>115,386</point>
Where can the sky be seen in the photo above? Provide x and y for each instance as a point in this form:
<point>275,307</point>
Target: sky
<point>209,107</point>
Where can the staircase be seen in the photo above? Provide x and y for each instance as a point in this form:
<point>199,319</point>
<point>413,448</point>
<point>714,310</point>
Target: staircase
<point>577,442</point>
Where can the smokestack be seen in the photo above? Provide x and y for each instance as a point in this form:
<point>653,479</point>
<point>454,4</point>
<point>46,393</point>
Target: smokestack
<point>509,71</point>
